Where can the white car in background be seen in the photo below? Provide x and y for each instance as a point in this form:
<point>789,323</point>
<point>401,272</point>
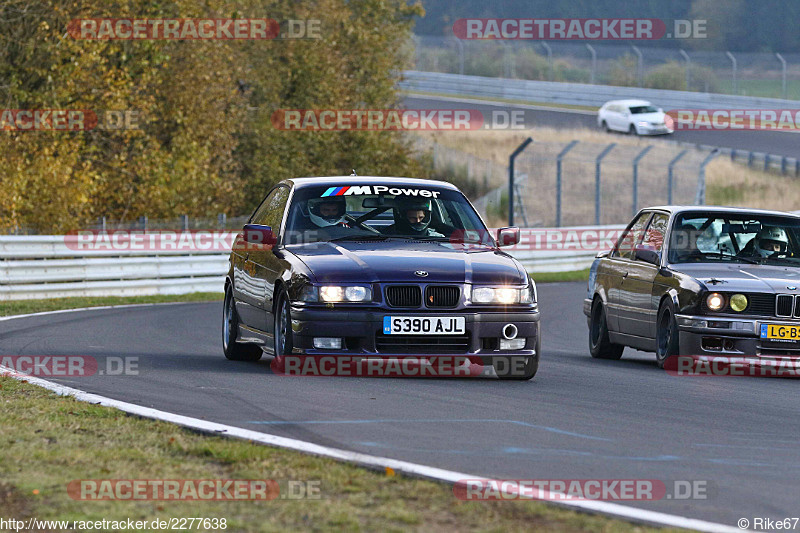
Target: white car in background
<point>638,117</point>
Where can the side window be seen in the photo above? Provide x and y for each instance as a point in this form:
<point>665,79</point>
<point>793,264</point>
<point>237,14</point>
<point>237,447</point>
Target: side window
<point>271,210</point>
<point>654,236</point>
<point>628,241</point>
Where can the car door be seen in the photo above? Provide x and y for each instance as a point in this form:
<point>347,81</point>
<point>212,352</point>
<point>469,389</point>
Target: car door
<point>616,269</point>
<point>636,290</point>
<point>261,266</point>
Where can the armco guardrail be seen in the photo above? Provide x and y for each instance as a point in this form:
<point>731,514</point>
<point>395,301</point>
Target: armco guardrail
<point>47,267</point>
<point>577,93</point>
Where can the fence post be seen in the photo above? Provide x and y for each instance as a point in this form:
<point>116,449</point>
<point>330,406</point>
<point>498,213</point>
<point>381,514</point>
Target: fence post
<point>636,176</point>
<point>669,175</point>
<point>143,222</point>
<point>766,162</point>
<point>597,161</point>
<point>783,165</point>
<point>549,60</point>
<point>511,159</point>
<point>688,70</point>
<point>701,178</point>
<point>639,66</point>
<point>783,75</point>
<point>733,72</point>
<point>594,63</point>
<point>222,220</point>
<point>460,47</point>
<point>559,157</point>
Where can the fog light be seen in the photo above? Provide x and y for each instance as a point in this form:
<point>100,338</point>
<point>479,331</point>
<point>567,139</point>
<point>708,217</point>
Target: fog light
<point>328,343</point>
<point>512,344</point>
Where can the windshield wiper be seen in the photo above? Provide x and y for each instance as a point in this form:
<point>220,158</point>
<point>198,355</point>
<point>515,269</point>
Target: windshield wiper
<point>366,237</point>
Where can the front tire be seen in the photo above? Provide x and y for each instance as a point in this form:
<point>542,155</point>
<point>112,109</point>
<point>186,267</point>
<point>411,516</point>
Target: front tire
<point>604,126</point>
<point>234,350</point>
<point>600,346</point>
<point>632,130</point>
<point>283,327</point>
<point>667,341</point>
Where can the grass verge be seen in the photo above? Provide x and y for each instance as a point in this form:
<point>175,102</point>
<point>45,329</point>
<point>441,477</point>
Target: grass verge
<point>554,277</point>
<point>22,307</point>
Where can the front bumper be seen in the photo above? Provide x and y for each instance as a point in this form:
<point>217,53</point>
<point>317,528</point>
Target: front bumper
<point>732,337</point>
<point>362,333</point>
<point>653,130</point>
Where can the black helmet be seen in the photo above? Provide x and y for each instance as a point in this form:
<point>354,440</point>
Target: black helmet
<point>401,218</point>
<point>324,220</point>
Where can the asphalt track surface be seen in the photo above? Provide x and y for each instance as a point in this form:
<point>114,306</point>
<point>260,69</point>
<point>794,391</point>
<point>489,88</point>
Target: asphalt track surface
<point>579,418</point>
<point>771,142</point>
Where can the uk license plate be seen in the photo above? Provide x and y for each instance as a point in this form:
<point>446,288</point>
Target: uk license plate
<point>424,325</point>
<point>780,332</point>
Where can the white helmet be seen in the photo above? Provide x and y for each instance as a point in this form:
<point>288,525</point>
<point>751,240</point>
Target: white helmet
<point>770,241</point>
<point>329,217</point>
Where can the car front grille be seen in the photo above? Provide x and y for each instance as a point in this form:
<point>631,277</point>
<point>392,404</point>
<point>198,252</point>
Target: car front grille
<point>785,305</point>
<point>442,296</point>
<point>758,304</point>
<point>404,296</point>
<point>421,344</point>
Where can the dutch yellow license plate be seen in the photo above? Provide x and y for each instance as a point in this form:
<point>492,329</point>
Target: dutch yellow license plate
<point>780,332</point>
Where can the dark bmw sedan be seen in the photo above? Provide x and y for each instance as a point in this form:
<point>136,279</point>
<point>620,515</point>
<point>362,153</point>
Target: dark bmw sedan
<point>699,281</point>
<point>375,267</point>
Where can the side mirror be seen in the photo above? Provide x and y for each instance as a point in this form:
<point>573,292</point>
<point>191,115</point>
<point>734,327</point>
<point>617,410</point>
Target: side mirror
<point>648,256</point>
<point>259,234</point>
<point>508,236</point>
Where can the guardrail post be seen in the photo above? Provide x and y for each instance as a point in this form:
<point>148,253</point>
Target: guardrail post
<point>783,165</point>
<point>559,157</point>
<point>636,176</point>
<point>669,174</point>
<point>783,75</point>
<point>750,158</point>
<point>185,222</point>
<point>597,161</point>
<point>688,69</point>
<point>701,178</point>
<point>549,60</point>
<point>733,154</point>
<point>222,220</point>
<point>594,63</point>
<point>734,68</point>
<point>766,162</point>
<point>143,222</point>
<point>639,66</point>
<point>797,167</point>
<point>103,223</point>
<point>511,159</point>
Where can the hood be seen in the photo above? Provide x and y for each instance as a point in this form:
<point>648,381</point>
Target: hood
<point>744,277</point>
<point>393,262</point>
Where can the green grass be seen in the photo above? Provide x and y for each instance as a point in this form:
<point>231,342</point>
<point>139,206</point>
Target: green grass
<point>503,100</point>
<point>553,277</point>
<point>22,307</point>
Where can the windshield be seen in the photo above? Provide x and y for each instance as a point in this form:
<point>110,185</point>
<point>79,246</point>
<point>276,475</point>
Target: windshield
<point>377,212</point>
<point>733,237</point>
<point>638,110</point>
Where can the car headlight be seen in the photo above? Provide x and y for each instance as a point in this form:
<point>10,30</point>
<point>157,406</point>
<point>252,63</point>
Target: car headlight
<point>501,295</point>
<point>738,302</point>
<point>715,301</point>
<point>336,293</point>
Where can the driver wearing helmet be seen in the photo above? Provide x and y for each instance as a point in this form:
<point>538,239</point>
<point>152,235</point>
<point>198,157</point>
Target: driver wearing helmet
<point>328,212</point>
<point>771,241</point>
<point>412,216</point>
